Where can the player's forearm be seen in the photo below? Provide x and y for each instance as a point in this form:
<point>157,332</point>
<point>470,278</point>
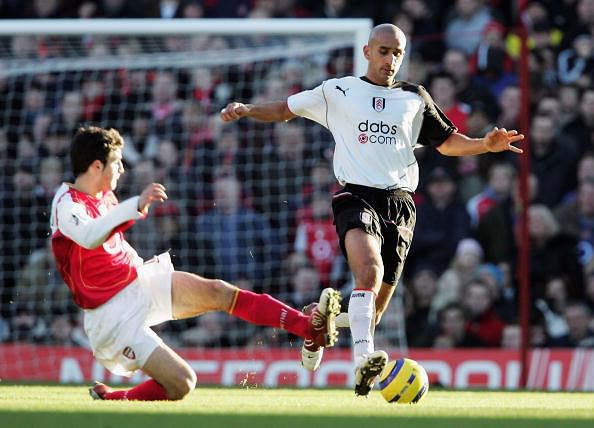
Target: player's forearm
<point>95,232</point>
<point>274,111</point>
<point>461,145</point>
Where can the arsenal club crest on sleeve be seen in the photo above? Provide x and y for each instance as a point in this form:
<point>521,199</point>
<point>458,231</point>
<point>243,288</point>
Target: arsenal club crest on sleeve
<point>379,104</point>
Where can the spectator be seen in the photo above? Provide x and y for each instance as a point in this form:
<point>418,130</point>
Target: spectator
<point>542,61</point>
<point>443,90</point>
<point>578,318</point>
<point>552,305</point>
<point>509,102</point>
<point>502,291</point>
<point>468,87</point>
<point>168,161</point>
<point>470,182</point>
<point>93,97</point>
<point>235,242</point>
<point>166,108</point>
<point>576,219</point>
<point>143,234</point>
<point>466,24</point>
<point>51,172</point>
<point>479,119</point>
<point>452,329</point>
<point>55,144</point>
<point>424,23</point>
<point>40,288</point>
<point>125,9</point>
<point>553,162</point>
<point>316,237</point>
<point>47,9</point>
<point>27,326</point>
<point>278,184</point>
<point>585,172</point>
<point>171,226</point>
<point>511,337</point>
<point>463,268</point>
<point>576,64</point>
<point>69,116</point>
<point>497,189</point>
<point>228,8</point>
<point>554,253</point>
<point>579,130</point>
<point>569,98</point>
<point>420,324</point>
<point>442,221</point>
<point>340,9</point>
<point>141,142</point>
<point>583,11</point>
<point>305,286</point>
<point>23,220</point>
<point>482,322</point>
<point>491,61</point>
<point>34,103</point>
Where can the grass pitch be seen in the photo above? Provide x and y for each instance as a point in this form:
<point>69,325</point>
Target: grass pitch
<point>71,406</point>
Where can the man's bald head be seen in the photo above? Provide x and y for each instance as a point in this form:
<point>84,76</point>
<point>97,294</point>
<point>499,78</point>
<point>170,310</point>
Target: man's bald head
<point>384,52</point>
<point>387,30</point>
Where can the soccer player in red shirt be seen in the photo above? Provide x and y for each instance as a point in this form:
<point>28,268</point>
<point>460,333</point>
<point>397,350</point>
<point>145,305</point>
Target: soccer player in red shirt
<point>122,296</point>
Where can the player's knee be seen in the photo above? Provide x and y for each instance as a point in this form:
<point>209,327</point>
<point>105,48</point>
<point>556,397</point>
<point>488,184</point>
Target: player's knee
<point>223,294</point>
<point>183,385</point>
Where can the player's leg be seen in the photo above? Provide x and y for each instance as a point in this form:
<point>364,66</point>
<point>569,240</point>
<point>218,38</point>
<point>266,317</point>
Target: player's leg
<point>171,379</point>
<point>364,258</point>
<point>193,295</point>
<point>382,301</point>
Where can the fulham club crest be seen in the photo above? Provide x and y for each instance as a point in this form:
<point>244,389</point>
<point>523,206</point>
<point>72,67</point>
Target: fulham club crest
<point>379,104</point>
<point>129,353</point>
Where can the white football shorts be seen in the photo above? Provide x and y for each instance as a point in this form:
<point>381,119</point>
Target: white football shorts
<point>119,330</point>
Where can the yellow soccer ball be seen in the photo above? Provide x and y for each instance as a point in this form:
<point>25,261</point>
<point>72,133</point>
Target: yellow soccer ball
<point>403,381</point>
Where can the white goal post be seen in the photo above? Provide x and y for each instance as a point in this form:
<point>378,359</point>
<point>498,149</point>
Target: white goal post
<point>354,30</point>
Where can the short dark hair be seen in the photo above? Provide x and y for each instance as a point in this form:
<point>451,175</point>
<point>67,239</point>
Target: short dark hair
<point>92,143</point>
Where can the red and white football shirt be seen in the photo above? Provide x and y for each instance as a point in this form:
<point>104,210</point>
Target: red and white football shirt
<point>88,244</point>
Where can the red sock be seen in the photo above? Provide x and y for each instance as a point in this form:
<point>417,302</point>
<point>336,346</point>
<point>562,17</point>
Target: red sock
<point>263,309</point>
<point>146,391</point>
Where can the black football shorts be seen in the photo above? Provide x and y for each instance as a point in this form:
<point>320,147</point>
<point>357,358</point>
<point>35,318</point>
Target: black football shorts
<point>388,215</point>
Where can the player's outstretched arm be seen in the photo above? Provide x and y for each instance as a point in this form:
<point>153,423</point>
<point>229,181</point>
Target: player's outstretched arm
<point>497,140</point>
<point>73,220</point>
<point>274,111</point>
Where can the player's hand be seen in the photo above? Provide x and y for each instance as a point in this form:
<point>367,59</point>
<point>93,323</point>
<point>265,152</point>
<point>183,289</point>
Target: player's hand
<point>154,192</point>
<point>500,139</point>
<point>234,111</point>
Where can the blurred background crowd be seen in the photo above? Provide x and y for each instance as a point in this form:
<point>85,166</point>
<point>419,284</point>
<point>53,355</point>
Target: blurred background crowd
<point>250,202</point>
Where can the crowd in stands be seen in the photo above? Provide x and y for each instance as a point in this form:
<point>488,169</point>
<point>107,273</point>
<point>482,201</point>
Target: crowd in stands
<point>250,202</point>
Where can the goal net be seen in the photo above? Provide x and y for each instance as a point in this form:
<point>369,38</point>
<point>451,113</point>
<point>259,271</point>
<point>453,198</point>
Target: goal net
<point>248,202</point>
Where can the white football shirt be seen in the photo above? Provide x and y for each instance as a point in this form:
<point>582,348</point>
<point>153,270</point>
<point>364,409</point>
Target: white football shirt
<point>375,128</point>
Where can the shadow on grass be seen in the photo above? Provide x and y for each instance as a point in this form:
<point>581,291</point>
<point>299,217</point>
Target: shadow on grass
<point>139,420</point>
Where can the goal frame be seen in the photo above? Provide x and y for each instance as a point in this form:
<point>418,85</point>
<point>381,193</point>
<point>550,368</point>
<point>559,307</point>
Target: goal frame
<point>358,27</point>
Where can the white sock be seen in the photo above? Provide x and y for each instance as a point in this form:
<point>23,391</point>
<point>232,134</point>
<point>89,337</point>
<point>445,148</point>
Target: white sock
<point>361,319</point>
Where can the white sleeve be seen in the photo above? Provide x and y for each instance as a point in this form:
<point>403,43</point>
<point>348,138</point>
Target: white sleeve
<point>311,104</point>
<point>75,223</point>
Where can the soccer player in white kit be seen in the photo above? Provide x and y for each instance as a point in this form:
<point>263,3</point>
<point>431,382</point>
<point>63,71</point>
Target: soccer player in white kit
<point>376,123</point>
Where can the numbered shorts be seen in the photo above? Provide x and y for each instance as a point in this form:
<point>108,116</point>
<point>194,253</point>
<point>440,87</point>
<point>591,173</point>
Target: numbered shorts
<point>119,330</point>
<point>388,215</point>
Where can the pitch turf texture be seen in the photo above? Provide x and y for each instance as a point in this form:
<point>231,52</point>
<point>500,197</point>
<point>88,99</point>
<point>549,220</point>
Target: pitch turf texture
<point>70,406</point>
